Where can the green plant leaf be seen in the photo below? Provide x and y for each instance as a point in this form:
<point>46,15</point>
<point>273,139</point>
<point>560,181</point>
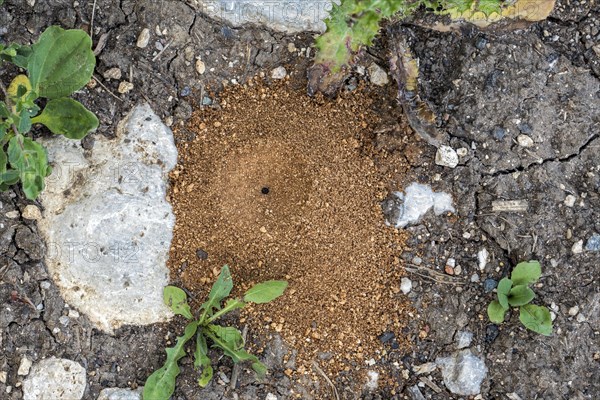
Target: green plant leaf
<point>230,305</point>
<point>161,384</point>
<point>230,340</point>
<point>520,295</point>
<point>176,300</point>
<point>536,318</point>
<point>526,272</point>
<point>220,289</point>
<point>496,312</point>
<point>503,291</point>
<point>265,292</point>
<point>30,160</point>
<point>4,113</point>
<point>61,62</point>
<point>201,360</point>
<point>67,117</point>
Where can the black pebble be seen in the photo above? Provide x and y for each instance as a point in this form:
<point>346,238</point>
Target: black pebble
<point>264,190</point>
<point>201,254</point>
<point>387,336</point>
<point>491,333</point>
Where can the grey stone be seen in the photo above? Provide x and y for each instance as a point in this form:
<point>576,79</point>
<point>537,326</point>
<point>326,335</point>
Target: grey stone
<point>278,73</point>
<point>107,223</point>
<point>55,379</point>
<point>463,372</point>
<point>120,394</point>
<point>489,284</point>
<point>463,339</point>
<point>287,16</point>
<point>446,157</point>
<point>593,243</point>
<point>29,242</point>
<point>407,209</point>
<point>377,75</point>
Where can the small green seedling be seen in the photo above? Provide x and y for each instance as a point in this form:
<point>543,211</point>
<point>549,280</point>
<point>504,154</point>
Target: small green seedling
<point>161,384</point>
<point>515,292</point>
<point>58,64</point>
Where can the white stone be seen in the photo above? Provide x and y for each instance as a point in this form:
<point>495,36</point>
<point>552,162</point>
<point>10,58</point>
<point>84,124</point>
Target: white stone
<point>524,141</point>
<point>483,256</point>
<point>405,285</point>
<point>120,394</point>
<point>377,75</point>
<point>577,247</point>
<point>24,366</point>
<point>373,380</point>
<point>14,214</point>
<point>32,212</point>
<point>570,200</point>
<point>200,67</point>
<point>573,311</point>
<point>125,87</point>
<point>463,339</point>
<point>3,376</point>
<point>143,38</point>
<point>286,16</point>
<point>417,201</point>
<point>108,239</point>
<point>73,314</point>
<point>55,379</point>
<point>463,372</point>
<point>462,152</point>
<point>446,157</point>
<point>271,396</point>
<point>278,73</point>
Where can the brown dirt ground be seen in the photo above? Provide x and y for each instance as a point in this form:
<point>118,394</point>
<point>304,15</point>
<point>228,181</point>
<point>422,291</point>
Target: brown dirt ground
<point>319,226</point>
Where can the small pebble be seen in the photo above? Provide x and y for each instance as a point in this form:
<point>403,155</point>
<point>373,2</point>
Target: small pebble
<point>491,333</point>
<point>593,243</point>
<point>489,284</point>
<point>201,254</point>
<point>291,47</point>
<point>417,260</point>
<point>573,311</point>
<point>483,257</point>
<point>200,67</point>
<point>446,157</point>
<point>64,320</point>
<point>462,152</point>
<point>125,87</point>
<point>405,285</point>
<point>3,376</point>
<point>377,75</point>
<point>525,128</point>
<point>475,278</point>
<point>143,38</point>
<point>12,214</point>
<point>73,314</point>
<point>581,318</point>
<point>481,43</point>
<point>498,133</point>
<point>271,396</point>
<point>524,141</point>
<point>387,336</point>
<point>185,91</point>
<point>577,247</point>
<point>32,212</point>
<point>570,200</point>
<point>278,73</point>
<point>24,366</point>
<point>113,73</point>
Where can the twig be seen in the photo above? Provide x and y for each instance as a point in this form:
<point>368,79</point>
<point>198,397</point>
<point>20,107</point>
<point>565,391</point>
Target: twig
<point>162,51</point>
<point>333,389</point>
<point>441,278</point>
<point>236,367</point>
<point>92,22</point>
<point>107,89</point>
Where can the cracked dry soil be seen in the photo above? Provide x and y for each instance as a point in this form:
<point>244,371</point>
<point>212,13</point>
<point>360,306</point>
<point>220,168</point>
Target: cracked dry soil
<point>487,88</point>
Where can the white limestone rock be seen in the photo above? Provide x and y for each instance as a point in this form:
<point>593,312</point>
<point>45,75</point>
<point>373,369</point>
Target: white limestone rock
<point>55,379</point>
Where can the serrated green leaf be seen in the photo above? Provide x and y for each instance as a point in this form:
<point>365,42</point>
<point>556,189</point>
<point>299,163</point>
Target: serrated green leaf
<point>161,384</point>
<point>536,318</point>
<point>67,117</point>
<point>220,289</point>
<point>176,300</point>
<point>61,62</point>
<point>496,312</point>
<point>520,295</point>
<point>201,360</point>
<point>489,7</point>
<point>265,292</point>
<point>31,161</point>
<point>526,272</point>
<point>230,340</point>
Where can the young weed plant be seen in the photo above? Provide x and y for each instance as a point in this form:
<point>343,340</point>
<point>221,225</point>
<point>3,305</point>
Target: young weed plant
<point>515,292</point>
<point>161,384</point>
<point>58,64</point>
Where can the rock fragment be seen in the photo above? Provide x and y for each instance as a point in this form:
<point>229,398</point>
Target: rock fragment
<point>377,75</point>
<point>143,38</point>
<point>278,73</point>
<point>446,157</point>
<point>55,379</point>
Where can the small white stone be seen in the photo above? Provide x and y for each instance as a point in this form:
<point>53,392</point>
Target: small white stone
<point>581,318</point>
<point>31,3</point>
<point>405,285</point>
<point>524,141</point>
<point>377,75</point>
<point>451,262</point>
<point>372,383</point>
<point>32,212</point>
<point>125,87</point>
<point>483,257</point>
<point>55,378</point>
<point>475,278</point>
<point>271,396</point>
<point>278,73</point>
<point>113,73</point>
<point>12,214</point>
<point>570,200</point>
<point>3,376</point>
<point>200,67</point>
<point>120,394</point>
<point>143,38</point>
<point>577,247</point>
<point>462,152</point>
<point>24,366</point>
<point>446,157</point>
<point>370,362</point>
<point>73,314</point>
<point>552,315</point>
<point>573,311</point>
<point>291,47</point>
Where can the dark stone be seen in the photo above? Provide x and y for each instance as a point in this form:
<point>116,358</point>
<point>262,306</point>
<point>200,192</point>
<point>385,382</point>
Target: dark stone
<point>525,128</point>
<point>387,336</point>
<point>491,333</point>
<point>489,284</point>
<point>480,43</point>
<point>498,133</point>
<point>201,254</point>
<point>186,91</point>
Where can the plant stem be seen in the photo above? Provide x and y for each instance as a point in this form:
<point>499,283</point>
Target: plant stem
<point>9,104</point>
